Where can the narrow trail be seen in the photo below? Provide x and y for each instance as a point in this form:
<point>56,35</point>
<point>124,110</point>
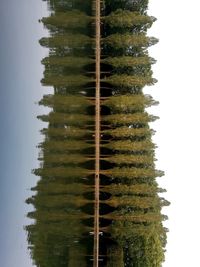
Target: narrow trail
<point>97,131</point>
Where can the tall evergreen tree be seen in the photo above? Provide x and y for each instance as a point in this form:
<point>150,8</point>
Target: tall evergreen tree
<point>130,202</point>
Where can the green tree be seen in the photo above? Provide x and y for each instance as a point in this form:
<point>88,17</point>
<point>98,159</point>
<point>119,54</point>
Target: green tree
<point>70,19</point>
<point>62,80</point>
<point>140,118</point>
<point>136,189</point>
<point>128,61</point>
<point>64,199</point>
<point>68,61</point>
<point>130,146</point>
<point>128,19</point>
<point>131,173</point>
<point>64,146</point>
<point>125,80</point>
<point>68,119</point>
<point>129,103</point>
<point>129,132</point>
<point>66,103</point>
<point>66,132</point>
<point>115,256</point>
<point>68,40</point>
<point>127,40</point>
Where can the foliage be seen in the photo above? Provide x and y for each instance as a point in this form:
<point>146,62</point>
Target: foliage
<point>64,146</point>
<point>127,40</point>
<point>124,159</point>
<point>63,159</point>
<point>132,173</point>
<point>130,146</point>
<point>128,61</point>
<point>125,80</point>
<point>57,201</point>
<point>63,200</point>
<point>66,132</point>
<point>136,5</point>
<point>69,40</point>
<point>129,119</point>
<point>136,189</point>
<point>127,19</point>
<point>129,132</point>
<point>72,80</point>
<point>128,103</point>
<point>137,217</point>
<point>137,201</point>
<point>55,188</point>
<point>66,103</point>
<point>68,61</point>
<point>61,172</point>
<point>68,119</point>
<point>115,256</point>
<point>71,20</point>
<point>74,260</point>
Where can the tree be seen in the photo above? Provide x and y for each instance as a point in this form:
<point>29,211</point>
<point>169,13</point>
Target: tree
<point>66,103</point>
<point>70,20</point>
<point>125,230</point>
<point>57,201</point>
<point>64,196</point>
<point>139,118</point>
<point>67,40</point>
<point>68,61</point>
<point>66,120</point>
<point>66,132</point>
<point>55,188</point>
<point>129,103</point>
<point>136,189</point>
<point>77,256</point>
<point>136,218</point>
<point>64,159</point>
<point>130,146</point>
<point>61,172</point>
<point>64,146</point>
<point>129,80</point>
<point>128,19</point>
<point>136,5</point>
<point>145,202</point>
<point>69,80</point>
<point>129,132</point>
<point>115,256</point>
<point>128,61</point>
<point>132,173</point>
<point>118,41</point>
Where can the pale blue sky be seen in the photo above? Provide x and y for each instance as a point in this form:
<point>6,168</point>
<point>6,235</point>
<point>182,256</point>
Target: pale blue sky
<point>178,130</point>
<point>20,74</point>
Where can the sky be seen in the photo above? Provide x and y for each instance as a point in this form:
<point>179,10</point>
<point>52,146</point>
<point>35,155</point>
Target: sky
<point>20,74</point>
<point>178,130</point>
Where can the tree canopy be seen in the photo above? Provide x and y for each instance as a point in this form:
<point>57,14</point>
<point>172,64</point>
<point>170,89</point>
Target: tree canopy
<point>64,200</point>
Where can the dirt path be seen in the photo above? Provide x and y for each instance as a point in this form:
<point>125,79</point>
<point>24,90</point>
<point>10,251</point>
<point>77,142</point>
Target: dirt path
<point>97,134</point>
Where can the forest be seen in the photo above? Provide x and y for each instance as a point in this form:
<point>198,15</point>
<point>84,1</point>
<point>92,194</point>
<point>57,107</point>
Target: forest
<point>130,220</point>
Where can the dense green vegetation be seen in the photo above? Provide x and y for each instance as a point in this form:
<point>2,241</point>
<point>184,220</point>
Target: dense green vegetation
<point>131,221</point>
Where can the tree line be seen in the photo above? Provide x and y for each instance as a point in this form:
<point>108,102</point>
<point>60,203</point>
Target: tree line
<point>131,219</point>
